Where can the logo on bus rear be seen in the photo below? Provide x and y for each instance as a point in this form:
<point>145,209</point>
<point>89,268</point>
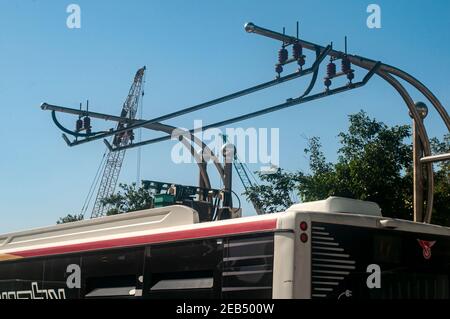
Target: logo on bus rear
<point>426,247</point>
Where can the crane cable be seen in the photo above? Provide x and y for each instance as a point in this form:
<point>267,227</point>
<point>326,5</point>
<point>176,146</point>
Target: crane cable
<point>94,184</point>
<point>250,173</point>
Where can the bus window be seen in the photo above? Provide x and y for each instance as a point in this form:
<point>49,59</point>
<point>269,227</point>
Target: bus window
<point>56,274</point>
<point>118,286</point>
<point>248,267</point>
<point>343,256</point>
<point>113,274</point>
<point>184,270</point>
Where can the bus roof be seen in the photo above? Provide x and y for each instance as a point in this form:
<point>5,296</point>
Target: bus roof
<point>173,223</point>
<point>155,225</point>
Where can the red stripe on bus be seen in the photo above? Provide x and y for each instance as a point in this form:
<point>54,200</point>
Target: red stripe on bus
<point>261,225</point>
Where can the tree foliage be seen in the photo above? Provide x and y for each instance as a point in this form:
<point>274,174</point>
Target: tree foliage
<point>374,164</point>
<point>275,195</point>
<point>70,218</point>
<point>130,198</point>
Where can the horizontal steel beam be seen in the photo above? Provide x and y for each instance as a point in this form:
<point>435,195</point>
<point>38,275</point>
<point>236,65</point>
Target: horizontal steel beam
<point>435,158</point>
<point>102,116</point>
<point>151,126</point>
<point>187,110</point>
<point>288,103</point>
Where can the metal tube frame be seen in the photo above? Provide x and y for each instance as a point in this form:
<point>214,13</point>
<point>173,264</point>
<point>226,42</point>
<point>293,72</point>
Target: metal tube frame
<point>385,71</point>
<point>154,126</point>
<point>290,102</point>
<point>99,135</point>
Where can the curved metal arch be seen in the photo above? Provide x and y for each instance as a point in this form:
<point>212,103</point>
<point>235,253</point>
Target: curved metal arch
<point>423,137</point>
<point>168,129</point>
<point>422,89</point>
<point>203,172</point>
<point>425,91</point>
<point>411,80</point>
<point>67,131</point>
<point>411,107</point>
<point>386,72</point>
<point>356,60</point>
<point>155,127</point>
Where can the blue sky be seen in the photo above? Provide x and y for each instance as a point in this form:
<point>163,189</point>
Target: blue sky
<point>194,51</point>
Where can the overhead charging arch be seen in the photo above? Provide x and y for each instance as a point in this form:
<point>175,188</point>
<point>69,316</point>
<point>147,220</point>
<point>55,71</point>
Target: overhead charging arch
<point>422,162</point>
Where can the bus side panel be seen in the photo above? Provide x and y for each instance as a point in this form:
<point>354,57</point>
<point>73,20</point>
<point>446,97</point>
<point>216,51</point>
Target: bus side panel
<point>232,268</point>
<point>364,263</point>
<point>239,266</point>
<point>21,279</point>
<point>302,253</point>
<point>115,273</point>
<point>283,266</point>
<point>62,277</point>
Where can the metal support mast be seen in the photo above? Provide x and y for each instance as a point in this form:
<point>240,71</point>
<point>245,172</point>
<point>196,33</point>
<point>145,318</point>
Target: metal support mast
<point>244,175</point>
<point>114,160</point>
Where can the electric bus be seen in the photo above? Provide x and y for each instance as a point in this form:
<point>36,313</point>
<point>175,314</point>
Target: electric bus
<point>337,248</point>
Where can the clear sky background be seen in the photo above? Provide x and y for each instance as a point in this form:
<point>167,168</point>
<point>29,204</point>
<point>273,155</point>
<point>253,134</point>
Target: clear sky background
<point>194,51</point>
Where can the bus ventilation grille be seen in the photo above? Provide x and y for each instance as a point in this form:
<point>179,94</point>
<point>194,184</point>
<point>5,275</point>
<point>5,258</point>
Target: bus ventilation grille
<point>330,264</point>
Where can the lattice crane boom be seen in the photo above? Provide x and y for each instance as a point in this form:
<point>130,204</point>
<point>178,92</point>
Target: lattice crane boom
<point>243,173</point>
<point>114,160</point>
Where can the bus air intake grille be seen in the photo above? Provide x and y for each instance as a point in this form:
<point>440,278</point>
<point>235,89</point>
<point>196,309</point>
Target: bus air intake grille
<point>331,264</point>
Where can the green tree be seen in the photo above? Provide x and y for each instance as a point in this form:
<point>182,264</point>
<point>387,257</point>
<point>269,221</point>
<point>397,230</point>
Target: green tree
<point>374,164</point>
<point>70,218</point>
<point>129,199</point>
<point>275,195</point>
<point>371,165</point>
